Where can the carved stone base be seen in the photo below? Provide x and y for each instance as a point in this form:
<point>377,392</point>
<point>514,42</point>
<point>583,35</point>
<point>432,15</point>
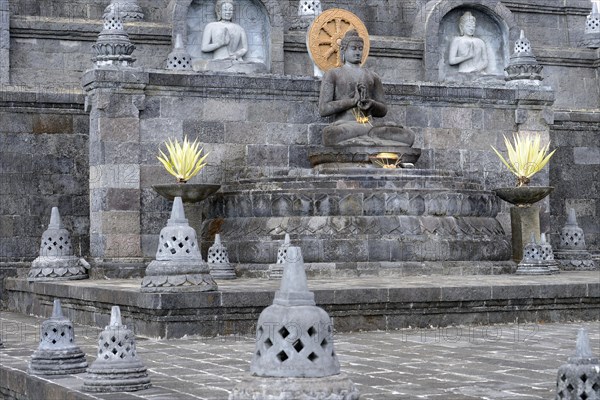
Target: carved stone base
<point>178,276</point>
<point>222,271</point>
<point>275,271</point>
<point>178,283</point>
<point>58,268</point>
<point>353,155</point>
<point>58,362</point>
<point>335,387</point>
<point>537,269</point>
<point>575,260</point>
<point>359,215</point>
<point>115,378</point>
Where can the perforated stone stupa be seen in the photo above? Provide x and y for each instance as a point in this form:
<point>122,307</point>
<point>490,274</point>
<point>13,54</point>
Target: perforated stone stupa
<point>523,67</point>
<point>572,252</point>
<point>57,353</point>
<point>56,260</point>
<point>580,377</point>
<point>179,58</point>
<point>218,260</point>
<point>538,258</point>
<point>294,357</point>
<point>591,37</point>
<point>178,265</point>
<point>276,270</point>
<point>118,367</point>
<point>113,46</point>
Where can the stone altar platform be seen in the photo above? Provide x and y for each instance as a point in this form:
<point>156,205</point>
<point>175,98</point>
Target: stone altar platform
<point>364,303</point>
<point>360,218</point>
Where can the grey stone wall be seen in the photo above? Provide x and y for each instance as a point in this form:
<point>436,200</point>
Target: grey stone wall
<point>260,126</point>
<point>4,41</point>
<point>575,173</point>
<point>43,163</point>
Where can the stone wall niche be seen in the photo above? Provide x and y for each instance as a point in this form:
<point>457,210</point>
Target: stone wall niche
<point>446,49</point>
<point>261,20</point>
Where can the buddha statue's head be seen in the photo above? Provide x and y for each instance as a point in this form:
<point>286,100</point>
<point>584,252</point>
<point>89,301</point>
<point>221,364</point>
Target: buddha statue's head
<point>466,24</point>
<point>351,47</point>
<point>224,10</point>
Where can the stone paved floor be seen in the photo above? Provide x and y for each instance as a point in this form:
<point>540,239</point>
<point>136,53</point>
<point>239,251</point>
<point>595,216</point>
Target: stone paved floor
<point>516,361</point>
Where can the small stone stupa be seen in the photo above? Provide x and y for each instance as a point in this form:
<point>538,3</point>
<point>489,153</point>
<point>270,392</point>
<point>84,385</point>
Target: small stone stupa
<point>56,260</point>
<point>294,356</point>
<point>572,252</point>
<point>118,367</point>
<point>591,36</point>
<point>580,377</point>
<point>523,67</point>
<point>57,353</point>
<point>276,270</point>
<point>218,261</point>
<point>179,59</point>
<point>178,265</point>
<point>538,258</point>
<point>113,46</point>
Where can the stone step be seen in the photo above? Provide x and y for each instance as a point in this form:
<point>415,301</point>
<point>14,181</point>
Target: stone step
<point>360,303</point>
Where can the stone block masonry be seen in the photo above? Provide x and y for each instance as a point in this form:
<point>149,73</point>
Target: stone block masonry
<point>4,42</point>
<point>44,164</point>
<point>575,173</point>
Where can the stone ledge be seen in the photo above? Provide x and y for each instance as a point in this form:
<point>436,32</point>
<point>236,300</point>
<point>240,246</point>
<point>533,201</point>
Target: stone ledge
<point>363,303</point>
<point>21,97</point>
<point>85,30</point>
<point>287,88</point>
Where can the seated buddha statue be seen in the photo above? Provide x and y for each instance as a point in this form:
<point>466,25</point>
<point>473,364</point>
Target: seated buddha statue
<point>353,96</point>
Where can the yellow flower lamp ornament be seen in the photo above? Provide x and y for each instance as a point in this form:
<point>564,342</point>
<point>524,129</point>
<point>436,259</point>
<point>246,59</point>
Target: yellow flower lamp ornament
<point>526,157</point>
<point>184,161</point>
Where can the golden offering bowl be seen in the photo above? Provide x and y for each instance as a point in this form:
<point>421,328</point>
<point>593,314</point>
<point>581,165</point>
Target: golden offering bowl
<point>386,160</point>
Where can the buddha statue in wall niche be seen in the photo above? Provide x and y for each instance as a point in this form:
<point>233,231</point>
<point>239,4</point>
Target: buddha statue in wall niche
<point>467,51</point>
<point>226,42</point>
<point>473,44</point>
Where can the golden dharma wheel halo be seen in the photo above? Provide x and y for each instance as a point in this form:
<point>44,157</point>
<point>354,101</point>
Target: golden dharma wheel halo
<point>325,36</point>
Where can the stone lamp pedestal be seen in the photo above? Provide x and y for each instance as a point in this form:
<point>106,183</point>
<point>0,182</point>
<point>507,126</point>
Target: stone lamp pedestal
<point>524,216</point>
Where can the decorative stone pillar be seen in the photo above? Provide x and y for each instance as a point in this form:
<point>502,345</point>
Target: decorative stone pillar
<point>179,58</point>
<point>113,46</point>
<point>118,367</point>
<point>538,258</point>
<point>218,261</point>
<point>580,377</point>
<point>524,221</point>
<point>4,42</point>
<point>126,10</point>
<point>276,270</point>
<point>294,355</point>
<point>572,252</point>
<point>591,37</point>
<point>56,260</point>
<point>57,353</point>
<point>523,68</point>
<point>178,265</point>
